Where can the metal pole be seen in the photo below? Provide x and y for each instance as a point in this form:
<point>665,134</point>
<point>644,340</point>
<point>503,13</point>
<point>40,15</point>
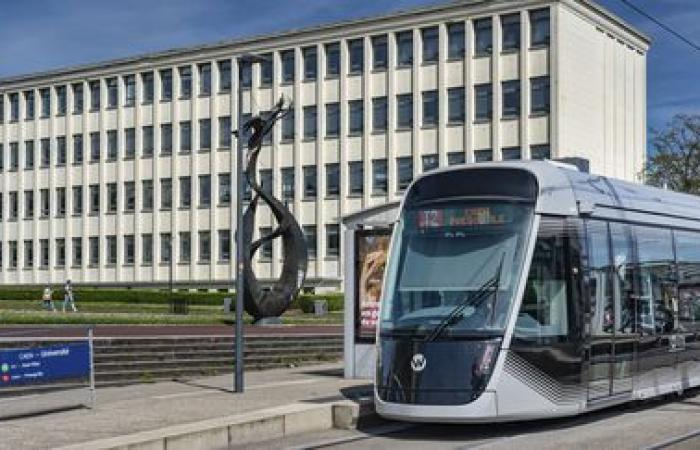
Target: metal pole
<point>241,182</point>
<point>92,367</point>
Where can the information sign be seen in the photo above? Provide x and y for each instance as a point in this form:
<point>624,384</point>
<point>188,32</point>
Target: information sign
<point>44,364</point>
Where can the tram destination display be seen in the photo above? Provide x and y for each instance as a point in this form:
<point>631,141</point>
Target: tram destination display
<point>38,365</point>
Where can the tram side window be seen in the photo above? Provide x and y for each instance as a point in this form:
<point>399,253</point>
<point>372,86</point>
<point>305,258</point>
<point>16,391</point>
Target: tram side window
<point>688,258</point>
<point>600,285</point>
<point>623,269</point>
<point>656,298</point>
<point>552,287</point>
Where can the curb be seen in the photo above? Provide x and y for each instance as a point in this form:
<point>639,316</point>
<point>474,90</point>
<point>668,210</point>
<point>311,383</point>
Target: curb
<point>242,429</point>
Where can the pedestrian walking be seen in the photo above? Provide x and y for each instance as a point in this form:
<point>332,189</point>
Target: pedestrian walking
<point>47,300</point>
<point>68,298</point>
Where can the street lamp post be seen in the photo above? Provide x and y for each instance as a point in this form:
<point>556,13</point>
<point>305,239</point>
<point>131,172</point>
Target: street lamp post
<point>241,184</point>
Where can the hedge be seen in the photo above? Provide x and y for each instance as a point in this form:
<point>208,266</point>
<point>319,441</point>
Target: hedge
<point>304,302</point>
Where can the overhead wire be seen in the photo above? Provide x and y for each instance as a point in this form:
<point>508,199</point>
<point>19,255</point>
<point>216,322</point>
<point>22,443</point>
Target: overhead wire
<point>658,22</point>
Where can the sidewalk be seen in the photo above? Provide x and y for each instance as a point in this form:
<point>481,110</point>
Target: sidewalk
<point>137,408</point>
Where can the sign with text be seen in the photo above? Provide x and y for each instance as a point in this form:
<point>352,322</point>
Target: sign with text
<point>44,364</point>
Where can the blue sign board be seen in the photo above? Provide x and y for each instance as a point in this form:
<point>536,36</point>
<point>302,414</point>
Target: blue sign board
<point>44,364</point>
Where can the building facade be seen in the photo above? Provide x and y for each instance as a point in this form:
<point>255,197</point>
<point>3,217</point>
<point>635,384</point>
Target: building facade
<point>123,173</point>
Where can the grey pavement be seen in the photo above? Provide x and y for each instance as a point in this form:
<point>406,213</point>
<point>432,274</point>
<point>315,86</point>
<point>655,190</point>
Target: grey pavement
<point>131,409</point>
<point>633,426</point>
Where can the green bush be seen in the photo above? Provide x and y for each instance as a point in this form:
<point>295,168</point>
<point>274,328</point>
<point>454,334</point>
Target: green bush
<point>305,302</point>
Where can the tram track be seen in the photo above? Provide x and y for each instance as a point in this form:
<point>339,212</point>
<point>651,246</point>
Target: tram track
<point>679,439</point>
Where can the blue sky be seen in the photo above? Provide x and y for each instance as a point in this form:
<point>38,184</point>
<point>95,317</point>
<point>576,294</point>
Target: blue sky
<point>44,34</point>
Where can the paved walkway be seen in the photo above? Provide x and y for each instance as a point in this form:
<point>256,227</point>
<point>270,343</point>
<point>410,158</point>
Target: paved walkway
<point>130,409</point>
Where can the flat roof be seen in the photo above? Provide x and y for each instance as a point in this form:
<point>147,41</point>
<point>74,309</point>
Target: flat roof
<point>290,33</point>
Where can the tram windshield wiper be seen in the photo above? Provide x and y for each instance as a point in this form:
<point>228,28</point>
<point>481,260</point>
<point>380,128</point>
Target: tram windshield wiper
<point>481,294</point>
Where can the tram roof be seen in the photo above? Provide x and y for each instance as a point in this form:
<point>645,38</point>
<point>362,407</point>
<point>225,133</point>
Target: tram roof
<point>564,190</point>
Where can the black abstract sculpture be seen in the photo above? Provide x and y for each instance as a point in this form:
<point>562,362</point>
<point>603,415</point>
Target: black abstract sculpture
<point>266,305</point>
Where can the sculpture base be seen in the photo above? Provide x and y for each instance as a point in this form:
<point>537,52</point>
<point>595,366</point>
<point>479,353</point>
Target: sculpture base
<point>268,321</point>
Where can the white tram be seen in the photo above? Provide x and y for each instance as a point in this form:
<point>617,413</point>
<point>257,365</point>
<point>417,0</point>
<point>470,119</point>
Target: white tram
<point>529,290</point>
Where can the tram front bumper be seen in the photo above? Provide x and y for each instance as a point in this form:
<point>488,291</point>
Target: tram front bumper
<point>482,409</point>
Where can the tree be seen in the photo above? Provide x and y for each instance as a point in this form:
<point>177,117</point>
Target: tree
<point>675,163</point>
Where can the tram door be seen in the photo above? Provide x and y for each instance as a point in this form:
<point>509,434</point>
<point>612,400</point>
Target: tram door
<point>611,341</point>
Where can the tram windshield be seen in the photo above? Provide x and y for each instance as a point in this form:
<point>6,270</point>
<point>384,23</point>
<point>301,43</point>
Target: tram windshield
<point>454,268</point>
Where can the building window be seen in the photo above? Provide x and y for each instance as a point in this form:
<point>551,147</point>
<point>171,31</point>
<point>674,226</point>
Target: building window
<point>540,152</point>
<point>185,137</point>
<point>94,199</point>
<point>483,155</point>
<point>112,92</point>
<point>77,98</point>
<point>77,200</point>
<point>94,243</point>
<point>511,99</point>
<point>14,107</point>
<point>287,58</point>
<point>129,143</point>
<point>266,247</point>
<point>510,31</point>
<point>483,102</point>
<point>246,74</point>
<point>112,151</point>
<point>60,151</point>
<point>225,132</point>
<point>45,203</point>
<point>111,242</point>
<point>266,72</point>
<point>185,239</point>
<point>310,122</point>
<point>61,101</point>
<point>310,63</point>
<point>13,254</point>
<point>129,196</point>
<point>147,141</point>
<point>404,169</point>
<point>430,108</point>
<point>112,199</point>
<point>287,183</point>
<point>379,114</point>
<point>483,37</point>
<point>266,180</point>
<point>204,246</point>
<point>224,75</point>
<point>77,149</point>
<point>379,176</point>
<point>29,105</point>
<point>357,56</point>
<point>14,156</point>
<point>14,206</point>
<point>224,189</point>
<point>430,39</point>
<point>404,110</point>
<point>204,134</point>
<point>95,146</point>
<point>45,95</point>
<point>94,95</point>
<point>454,158</point>
<point>45,152</point>
<point>29,154</point>
<point>540,29</point>
<point>332,120</point>
<point>147,195</point>
<point>166,193</point>
<point>147,249</point>
<point>28,204</point>
<point>455,40</point>
<point>130,87</point>
<point>332,180</point>
<point>166,84</point>
<point>510,153</point>
<point>77,251</point>
<point>355,178</point>
<point>185,82</point>
<point>380,56</point>
<point>28,254</point>
<point>166,139</point>
<point>44,252</point>
<point>166,249</point>
<point>310,237</point>
<point>204,79</point>
<point>60,202</point>
<point>185,186</point>
<point>288,126</point>
<point>147,87</point>
<point>356,109</point>
<point>224,245</point>
<point>404,48</point>
<point>60,252</point>
<point>455,105</point>
<point>204,191</point>
<point>540,95</point>
<point>430,162</point>
<point>332,59</point>
<point>309,182</point>
<point>332,240</point>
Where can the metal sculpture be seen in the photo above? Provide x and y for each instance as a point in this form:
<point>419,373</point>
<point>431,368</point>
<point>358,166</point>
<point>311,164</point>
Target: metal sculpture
<point>266,305</point>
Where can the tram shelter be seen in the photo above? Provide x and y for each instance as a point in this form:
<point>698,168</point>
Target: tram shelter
<point>366,243</point>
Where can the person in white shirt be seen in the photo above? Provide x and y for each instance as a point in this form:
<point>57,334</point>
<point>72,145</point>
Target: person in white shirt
<point>47,299</point>
<point>68,296</point>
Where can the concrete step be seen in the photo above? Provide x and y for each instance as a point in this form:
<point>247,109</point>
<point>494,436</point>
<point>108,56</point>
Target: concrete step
<point>178,354</point>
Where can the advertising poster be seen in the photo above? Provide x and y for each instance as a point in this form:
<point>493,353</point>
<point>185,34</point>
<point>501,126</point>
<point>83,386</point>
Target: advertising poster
<point>371,254</point>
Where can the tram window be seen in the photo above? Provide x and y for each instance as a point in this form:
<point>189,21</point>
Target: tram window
<point>623,278</point>
<point>655,299</point>
<point>546,307</point>
<point>601,305</point>
<point>688,259</point>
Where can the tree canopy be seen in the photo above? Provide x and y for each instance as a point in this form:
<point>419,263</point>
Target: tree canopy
<point>675,163</point>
